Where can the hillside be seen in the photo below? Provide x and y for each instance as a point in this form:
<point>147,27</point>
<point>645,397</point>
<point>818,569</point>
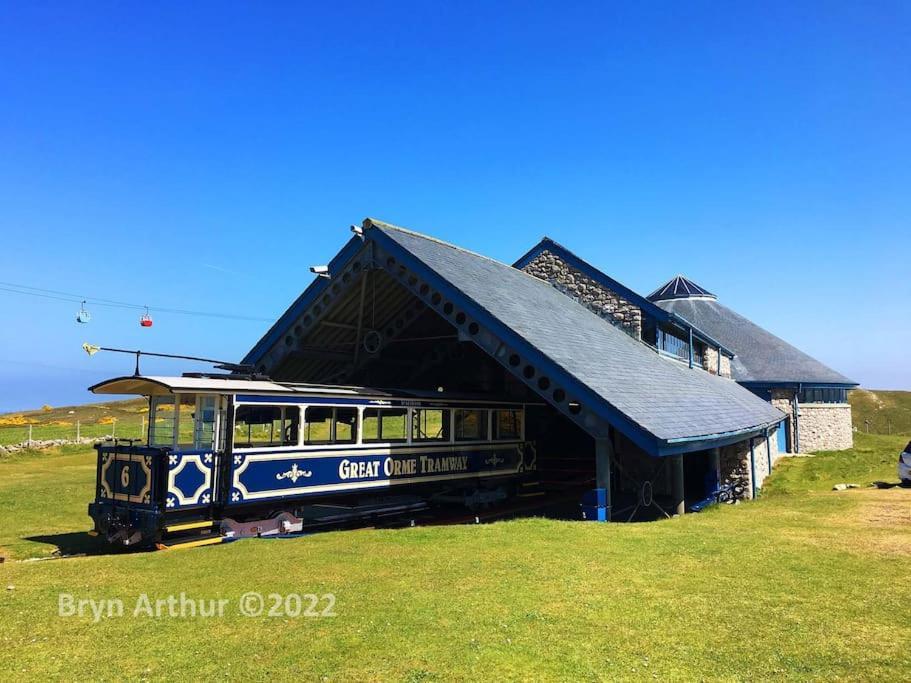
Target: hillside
<point>95,419</point>
<point>887,411</point>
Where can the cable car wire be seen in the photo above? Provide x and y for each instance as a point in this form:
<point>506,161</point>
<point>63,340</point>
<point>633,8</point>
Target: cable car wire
<point>58,295</point>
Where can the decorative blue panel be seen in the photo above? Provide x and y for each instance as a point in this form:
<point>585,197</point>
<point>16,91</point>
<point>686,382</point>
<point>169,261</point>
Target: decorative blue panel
<point>189,479</point>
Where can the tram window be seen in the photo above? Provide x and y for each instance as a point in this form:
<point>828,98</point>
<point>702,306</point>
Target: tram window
<point>430,424</point>
<point>161,421</point>
<point>470,425</point>
<point>319,426</point>
<point>330,425</point>
<point>186,417</point>
<point>370,426</point>
<point>387,424</point>
<point>345,425</point>
<point>266,426</point>
<point>507,424</point>
<point>204,430</point>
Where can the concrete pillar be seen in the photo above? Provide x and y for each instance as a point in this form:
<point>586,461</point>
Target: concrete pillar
<point>677,484</point>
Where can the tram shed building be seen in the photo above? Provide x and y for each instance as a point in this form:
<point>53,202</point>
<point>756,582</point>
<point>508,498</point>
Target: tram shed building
<point>635,400</point>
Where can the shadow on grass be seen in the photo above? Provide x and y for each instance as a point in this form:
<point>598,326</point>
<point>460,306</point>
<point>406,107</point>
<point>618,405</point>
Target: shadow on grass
<point>78,543</point>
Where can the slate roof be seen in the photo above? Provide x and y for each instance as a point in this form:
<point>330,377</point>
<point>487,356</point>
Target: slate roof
<point>664,397</point>
<point>762,357</point>
<point>679,287</point>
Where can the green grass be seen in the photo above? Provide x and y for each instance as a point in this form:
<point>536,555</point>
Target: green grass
<point>873,458</point>
<point>886,411</point>
<point>802,584</point>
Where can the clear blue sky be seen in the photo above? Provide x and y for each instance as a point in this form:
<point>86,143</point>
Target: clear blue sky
<point>203,155</point>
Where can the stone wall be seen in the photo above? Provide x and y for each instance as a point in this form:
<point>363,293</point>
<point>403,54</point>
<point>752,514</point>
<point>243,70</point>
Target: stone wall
<point>710,362</point>
<point>735,463</point>
<point>825,427</point>
<point>594,296</point>
<point>735,466</point>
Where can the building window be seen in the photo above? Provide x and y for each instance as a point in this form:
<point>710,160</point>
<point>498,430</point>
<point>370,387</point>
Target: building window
<point>470,425</point>
<point>385,425</point>
<point>429,424</point>
<point>823,396</point>
<point>330,425</point>
<point>507,424</point>
<point>266,426</point>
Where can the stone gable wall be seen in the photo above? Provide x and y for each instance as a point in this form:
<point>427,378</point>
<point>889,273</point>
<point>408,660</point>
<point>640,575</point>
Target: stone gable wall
<point>594,296</point>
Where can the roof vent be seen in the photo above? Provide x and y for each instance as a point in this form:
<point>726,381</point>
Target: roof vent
<point>680,288</point>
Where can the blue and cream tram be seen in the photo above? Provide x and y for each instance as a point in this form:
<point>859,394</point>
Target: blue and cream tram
<point>229,457</point>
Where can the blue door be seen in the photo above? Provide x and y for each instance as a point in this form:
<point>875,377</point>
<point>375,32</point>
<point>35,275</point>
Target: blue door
<point>783,436</point>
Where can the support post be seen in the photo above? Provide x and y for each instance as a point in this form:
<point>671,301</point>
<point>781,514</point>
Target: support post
<point>677,484</point>
<point>715,464</point>
<point>691,347</point>
<point>752,468</point>
<point>596,504</point>
<point>78,429</point>
<point>768,449</point>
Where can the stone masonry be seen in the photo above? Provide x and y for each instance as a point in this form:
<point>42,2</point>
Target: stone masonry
<point>710,362</point>
<point>594,296</point>
<point>822,426</point>
<point>735,463</point>
<point>735,466</point>
<point>825,427</point>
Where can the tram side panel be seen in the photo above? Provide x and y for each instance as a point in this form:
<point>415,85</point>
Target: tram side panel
<point>263,476</point>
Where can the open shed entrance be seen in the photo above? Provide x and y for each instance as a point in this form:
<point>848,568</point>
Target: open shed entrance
<point>373,327</point>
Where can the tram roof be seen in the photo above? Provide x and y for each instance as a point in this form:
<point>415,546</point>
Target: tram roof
<point>149,385</point>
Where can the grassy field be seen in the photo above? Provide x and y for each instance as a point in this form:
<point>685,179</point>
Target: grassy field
<point>886,411</point>
<point>804,583</point>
